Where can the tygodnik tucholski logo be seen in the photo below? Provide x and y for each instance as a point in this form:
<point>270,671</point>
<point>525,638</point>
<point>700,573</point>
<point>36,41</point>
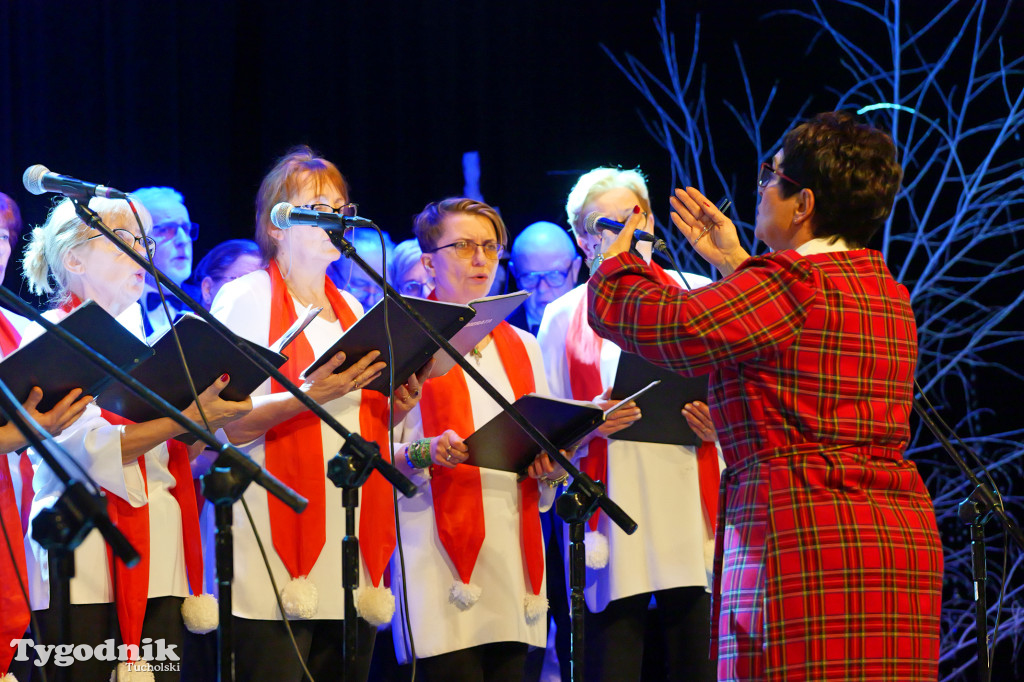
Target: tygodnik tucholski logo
<point>155,654</point>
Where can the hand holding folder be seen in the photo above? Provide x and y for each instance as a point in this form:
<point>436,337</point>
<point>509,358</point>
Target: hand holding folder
<point>502,444</point>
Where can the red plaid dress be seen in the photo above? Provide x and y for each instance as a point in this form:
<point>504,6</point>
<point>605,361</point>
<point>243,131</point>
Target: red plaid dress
<point>829,564</point>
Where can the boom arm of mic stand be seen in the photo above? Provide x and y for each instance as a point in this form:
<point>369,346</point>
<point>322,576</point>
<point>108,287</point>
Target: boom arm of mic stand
<point>252,470</point>
<point>982,495</point>
<point>83,509</point>
<point>389,472</point>
<point>590,491</point>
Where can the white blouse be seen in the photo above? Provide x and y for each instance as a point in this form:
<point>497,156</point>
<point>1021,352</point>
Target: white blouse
<point>438,625</point>
<point>244,306</point>
<point>94,444</point>
<point>655,483</point>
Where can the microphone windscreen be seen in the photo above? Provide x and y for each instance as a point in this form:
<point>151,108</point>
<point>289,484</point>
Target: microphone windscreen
<point>33,178</point>
<point>590,224</point>
<point>281,214</point>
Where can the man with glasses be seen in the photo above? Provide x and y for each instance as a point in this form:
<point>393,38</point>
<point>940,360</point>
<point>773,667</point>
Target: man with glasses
<point>173,233</point>
<point>544,263</point>
<point>349,277</point>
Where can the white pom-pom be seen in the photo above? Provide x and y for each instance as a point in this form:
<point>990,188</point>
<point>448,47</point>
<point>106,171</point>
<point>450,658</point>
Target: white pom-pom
<point>9,677</point>
<point>376,605</point>
<point>200,613</point>
<point>597,549</point>
<point>463,595</point>
<point>535,606</point>
<point>137,671</point>
<point>300,599</point>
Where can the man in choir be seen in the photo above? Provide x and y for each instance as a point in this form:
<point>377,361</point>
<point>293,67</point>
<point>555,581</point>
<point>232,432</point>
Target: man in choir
<point>173,231</point>
<point>349,277</point>
<point>544,263</point>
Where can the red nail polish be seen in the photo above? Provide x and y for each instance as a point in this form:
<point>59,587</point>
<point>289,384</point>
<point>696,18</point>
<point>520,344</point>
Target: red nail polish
<point>636,209</point>
<point>224,377</point>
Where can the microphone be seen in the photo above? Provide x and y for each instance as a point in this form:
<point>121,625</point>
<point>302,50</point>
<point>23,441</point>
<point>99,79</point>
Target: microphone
<point>38,179</point>
<point>594,223</point>
<point>284,215</point>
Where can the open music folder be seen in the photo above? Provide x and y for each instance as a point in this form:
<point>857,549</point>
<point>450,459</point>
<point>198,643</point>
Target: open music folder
<point>502,444</point>
<point>463,325</point>
<point>662,419</point>
<point>47,362</point>
<point>208,355</point>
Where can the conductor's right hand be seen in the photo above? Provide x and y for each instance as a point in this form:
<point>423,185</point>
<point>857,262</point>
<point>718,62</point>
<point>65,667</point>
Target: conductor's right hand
<point>708,230</point>
<point>323,385</point>
<point>621,418</point>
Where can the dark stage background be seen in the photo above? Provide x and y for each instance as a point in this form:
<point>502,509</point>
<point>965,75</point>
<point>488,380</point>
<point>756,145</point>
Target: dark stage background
<point>204,96</point>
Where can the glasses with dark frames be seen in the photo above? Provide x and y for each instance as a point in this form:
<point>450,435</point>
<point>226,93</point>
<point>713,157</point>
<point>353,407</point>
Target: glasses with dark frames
<point>162,232</point>
<point>466,249</point>
<point>130,239</point>
<point>349,210</point>
<point>767,173</point>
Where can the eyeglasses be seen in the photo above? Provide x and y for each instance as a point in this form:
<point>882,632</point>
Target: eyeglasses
<point>466,249</point>
<point>130,239</point>
<point>767,173</point>
<point>414,287</point>
<point>163,232</point>
<point>349,210</point>
<point>554,278</point>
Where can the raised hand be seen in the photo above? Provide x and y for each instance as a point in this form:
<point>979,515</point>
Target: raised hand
<point>708,230</point>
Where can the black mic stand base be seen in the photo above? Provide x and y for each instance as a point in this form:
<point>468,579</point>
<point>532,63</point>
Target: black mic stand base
<point>975,512</point>
<point>575,506</point>
<point>223,486</point>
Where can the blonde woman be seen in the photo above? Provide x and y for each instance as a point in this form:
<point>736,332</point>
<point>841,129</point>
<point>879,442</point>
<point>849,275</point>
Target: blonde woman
<point>145,474</point>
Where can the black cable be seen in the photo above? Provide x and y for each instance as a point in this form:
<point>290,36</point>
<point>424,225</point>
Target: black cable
<point>277,593</point>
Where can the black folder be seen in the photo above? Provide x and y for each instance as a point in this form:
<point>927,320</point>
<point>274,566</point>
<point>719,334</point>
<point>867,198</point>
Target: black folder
<point>208,354</point>
<point>411,346</point>
<point>662,420</point>
<point>52,365</point>
<point>501,443</point>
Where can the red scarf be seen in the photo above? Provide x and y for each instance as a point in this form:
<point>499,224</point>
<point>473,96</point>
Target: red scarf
<point>10,339</point>
<point>457,494</point>
<point>294,453</point>
<point>583,354</point>
<point>12,601</point>
<point>14,610</point>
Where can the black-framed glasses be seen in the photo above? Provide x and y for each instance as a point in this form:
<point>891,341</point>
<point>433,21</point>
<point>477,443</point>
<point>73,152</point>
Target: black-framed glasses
<point>349,210</point>
<point>163,232</point>
<point>130,239</point>
<point>767,173</point>
<point>414,287</point>
<point>466,249</point>
<point>554,278</point>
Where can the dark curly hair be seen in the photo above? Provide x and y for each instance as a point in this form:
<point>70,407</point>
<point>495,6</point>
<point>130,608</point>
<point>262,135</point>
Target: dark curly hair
<point>852,169</point>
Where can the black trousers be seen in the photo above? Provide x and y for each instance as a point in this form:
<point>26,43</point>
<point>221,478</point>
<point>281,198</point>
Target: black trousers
<point>558,601</point>
<point>498,662</point>
<point>92,624</point>
<point>676,645</point>
<point>263,651</point>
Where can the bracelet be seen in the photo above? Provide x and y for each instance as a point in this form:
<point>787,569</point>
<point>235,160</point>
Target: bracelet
<point>555,482</point>
<point>417,455</point>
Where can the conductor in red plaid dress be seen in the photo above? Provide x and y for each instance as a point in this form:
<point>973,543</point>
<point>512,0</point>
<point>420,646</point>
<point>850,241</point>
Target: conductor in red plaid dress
<point>828,564</point>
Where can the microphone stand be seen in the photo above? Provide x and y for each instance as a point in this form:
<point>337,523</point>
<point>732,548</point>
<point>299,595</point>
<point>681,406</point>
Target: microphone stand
<point>976,510</point>
<point>63,527</point>
<point>358,455</point>
<point>575,505</point>
<point>242,469</point>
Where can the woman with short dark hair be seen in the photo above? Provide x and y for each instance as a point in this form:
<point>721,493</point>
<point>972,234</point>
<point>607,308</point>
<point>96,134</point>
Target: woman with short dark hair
<point>829,564</point>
